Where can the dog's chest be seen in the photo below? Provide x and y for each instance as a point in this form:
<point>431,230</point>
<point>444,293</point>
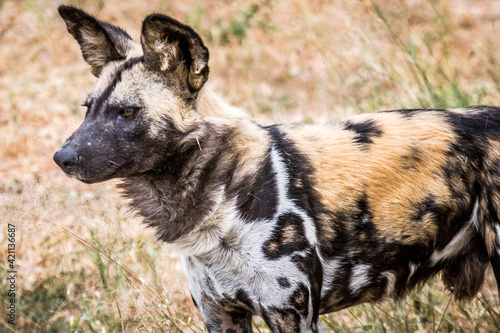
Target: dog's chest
<point>240,275</point>
<point>234,262</point>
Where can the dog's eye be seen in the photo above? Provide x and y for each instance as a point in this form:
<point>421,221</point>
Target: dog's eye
<point>126,113</point>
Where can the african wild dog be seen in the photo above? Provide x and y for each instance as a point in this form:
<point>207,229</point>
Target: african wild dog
<point>288,221</point>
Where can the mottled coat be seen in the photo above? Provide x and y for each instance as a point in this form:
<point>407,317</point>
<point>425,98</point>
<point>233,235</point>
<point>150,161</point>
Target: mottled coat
<point>287,221</point>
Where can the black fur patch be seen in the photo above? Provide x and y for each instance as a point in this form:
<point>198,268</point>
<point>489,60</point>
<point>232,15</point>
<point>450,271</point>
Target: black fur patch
<point>240,302</point>
<point>476,124</point>
<point>243,298</point>
<point>300,300</point>
<point>451,217</point>
<point>412,159</point>
<point>464,276</point>
<point>282,320</point>
<point>411,112</point>
<point>97,105</point>
<point>425,207</point>
<point>466,157</point>
<point>358,242</point>
<point>242,319</point>
<point>364,215</point>
<point>351,231</point>
<point>212,313</point>
<point>365,131</point>
<point>258,196</point>
<point>301,187</point>
<point>288,237</point>
<point>337,246</point>
<point>311,266</point>
<point>160,194</point>
<point>284,282</point>
<point>237,310</point>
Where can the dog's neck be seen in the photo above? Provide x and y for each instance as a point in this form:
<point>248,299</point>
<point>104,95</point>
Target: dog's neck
<point>179,197</point>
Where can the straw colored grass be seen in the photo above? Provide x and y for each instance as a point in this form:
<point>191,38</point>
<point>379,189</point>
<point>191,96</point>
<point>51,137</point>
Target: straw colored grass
<point>86,264</point>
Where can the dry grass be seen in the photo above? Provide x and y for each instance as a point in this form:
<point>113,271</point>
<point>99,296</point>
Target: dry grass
<point>86,264</point>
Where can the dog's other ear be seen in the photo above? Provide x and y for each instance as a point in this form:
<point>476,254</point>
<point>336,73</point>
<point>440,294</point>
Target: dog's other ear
<point>172,47</point>
<point>100,42</point>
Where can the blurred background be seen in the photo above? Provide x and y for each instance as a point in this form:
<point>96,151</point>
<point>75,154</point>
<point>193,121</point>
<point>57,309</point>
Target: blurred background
<point>86,264</point>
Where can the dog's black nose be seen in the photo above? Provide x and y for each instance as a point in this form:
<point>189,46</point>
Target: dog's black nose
<point>67,158</point>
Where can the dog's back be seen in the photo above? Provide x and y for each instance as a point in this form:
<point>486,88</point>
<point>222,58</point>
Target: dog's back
<point>401,195</point>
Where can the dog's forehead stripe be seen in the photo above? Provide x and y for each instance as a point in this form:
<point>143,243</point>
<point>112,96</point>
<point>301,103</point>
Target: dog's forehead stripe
<point>101,100</point>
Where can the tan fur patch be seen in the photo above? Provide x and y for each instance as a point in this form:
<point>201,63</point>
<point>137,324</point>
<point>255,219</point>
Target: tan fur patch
<point>249,141</point>
<point>345,169</point>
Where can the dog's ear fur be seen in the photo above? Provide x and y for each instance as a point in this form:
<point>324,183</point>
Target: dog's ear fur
<point>100,42</point>
<point>172,47</point>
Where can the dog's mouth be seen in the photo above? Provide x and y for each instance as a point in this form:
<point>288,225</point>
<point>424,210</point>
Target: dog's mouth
<point>113,170</point>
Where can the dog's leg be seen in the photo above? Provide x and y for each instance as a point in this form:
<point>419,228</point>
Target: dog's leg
<point>219,320</point>
<point>301,314</point>
<point>301,318</point>
<point>236,322</point>
<point>288,320</point>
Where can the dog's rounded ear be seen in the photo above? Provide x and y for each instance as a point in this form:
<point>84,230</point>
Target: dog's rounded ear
<point>172,47</point>
<point>100,42</point>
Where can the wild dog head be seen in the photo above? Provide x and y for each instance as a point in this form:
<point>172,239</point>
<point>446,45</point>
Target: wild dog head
<point>145,94</point>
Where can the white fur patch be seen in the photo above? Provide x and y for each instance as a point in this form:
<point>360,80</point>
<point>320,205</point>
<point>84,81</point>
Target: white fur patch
<point>285,204</point>
<point>391,282</point>
<point>456,245</point>
<point>244,266</point>
<point>281,181</point>
<point>330,268</point>
<point>359,277</point>
<point>497,230</point>
<point>413,267</point>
